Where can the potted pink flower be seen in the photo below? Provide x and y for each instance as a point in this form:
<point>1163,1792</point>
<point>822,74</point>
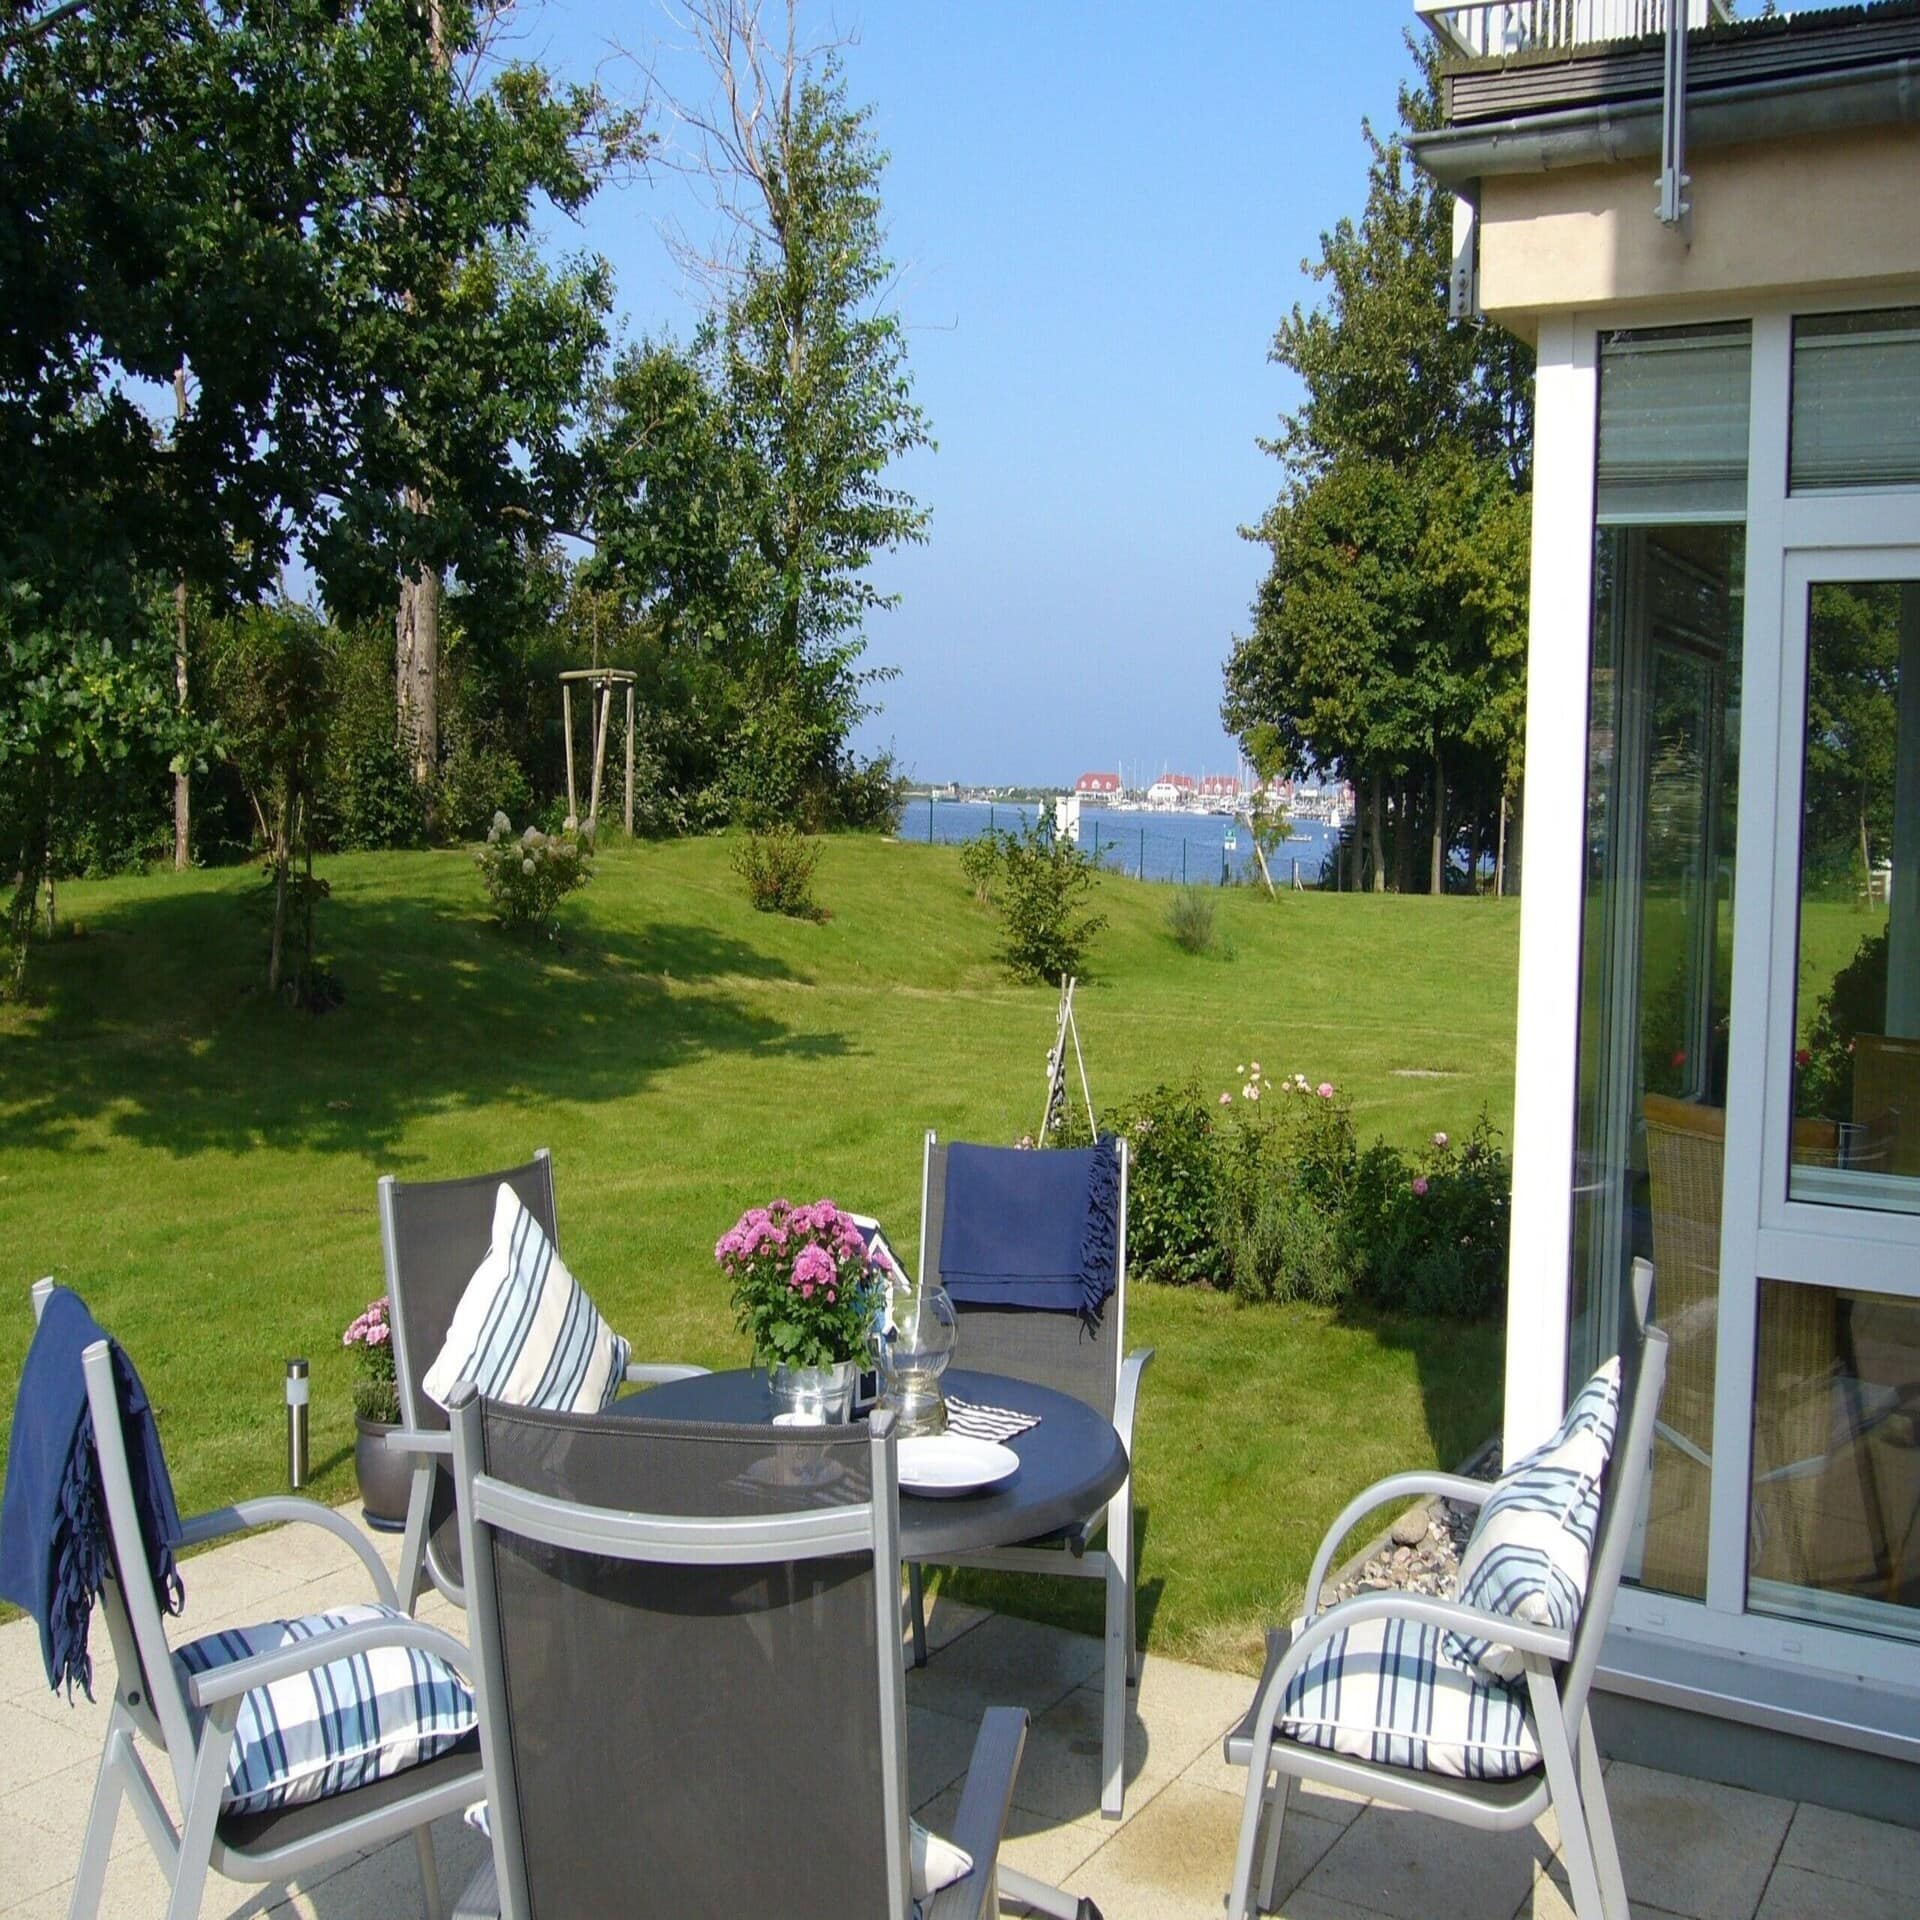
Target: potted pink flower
<point>383,1474</point>
<point>805,1292</point>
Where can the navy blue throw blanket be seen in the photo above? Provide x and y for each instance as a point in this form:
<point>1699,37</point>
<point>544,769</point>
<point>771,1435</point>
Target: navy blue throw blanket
<point>1032,1229</point>
<point>54,1546</point>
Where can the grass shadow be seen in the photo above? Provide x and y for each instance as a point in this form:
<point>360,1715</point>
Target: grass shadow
<point>158,1025</point>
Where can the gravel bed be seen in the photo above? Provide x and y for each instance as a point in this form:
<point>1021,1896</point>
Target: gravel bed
<point>1421,1552</point>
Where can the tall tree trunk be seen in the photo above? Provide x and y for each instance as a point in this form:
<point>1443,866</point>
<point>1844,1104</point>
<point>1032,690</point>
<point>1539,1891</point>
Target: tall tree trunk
<point>1500,850</point>
<point>1377,827</point>
<point>1402,840</point>
<point>417,620</point>
<point>1437,879</point>
<point>182,798</point>
<point>1356,856</point>
<point>416,666</point>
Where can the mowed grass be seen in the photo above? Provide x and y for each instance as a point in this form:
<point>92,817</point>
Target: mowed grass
<point>200,1161</point>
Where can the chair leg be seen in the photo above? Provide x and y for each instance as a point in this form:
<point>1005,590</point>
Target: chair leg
<point>1133,1599</point>
<point>429,1870</point>
<point>1253,1810</point>
<point>109,1788</point>
<point>917,1611</point>
<point>413,1543</point>
<point>1113,1719</point>
<point>1606,1854</point>
<point>1563,1785</point>
<point>1270,1852</point>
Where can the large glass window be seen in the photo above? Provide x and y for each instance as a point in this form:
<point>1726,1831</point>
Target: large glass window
<point>1835,1528</point>
<point>1663,735</point>
<point>1856,400</point>
<point>1856,1067</point>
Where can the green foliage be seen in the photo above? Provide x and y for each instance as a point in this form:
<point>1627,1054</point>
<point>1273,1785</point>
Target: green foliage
<point>272,681</point>
<point>1388,638</point>
<point>778,866</point>
<point>1038,885</point>
<point>1854,1004</point>
<point>1190,920</point>
<point>1173,1185</point>
<point>527,877</point>
<point>478,780</point>
<point>1265,1192</point>
<point>980,865</point>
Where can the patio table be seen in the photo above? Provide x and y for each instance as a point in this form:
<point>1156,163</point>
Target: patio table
<point>1071,1464</point>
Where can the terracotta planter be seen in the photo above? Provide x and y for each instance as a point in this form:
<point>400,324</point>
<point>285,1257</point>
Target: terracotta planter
<point>385,1477</point>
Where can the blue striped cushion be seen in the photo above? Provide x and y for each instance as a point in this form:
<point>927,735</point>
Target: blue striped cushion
<point>1532,1547</point>
<point>524,1330</point>
<point>1384,1690</point>
<point>332,1728</point>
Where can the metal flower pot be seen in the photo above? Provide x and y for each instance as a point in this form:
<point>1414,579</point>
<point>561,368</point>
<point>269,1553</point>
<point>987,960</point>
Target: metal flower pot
<point>814,1396</point>
<point>385,1476</point>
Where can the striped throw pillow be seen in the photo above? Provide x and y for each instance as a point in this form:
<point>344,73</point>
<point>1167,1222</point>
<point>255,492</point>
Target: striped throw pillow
<point>525,1331</point>
<point>1531,1550</point>
<point>332,1728</point>
<point>1385,1690</point>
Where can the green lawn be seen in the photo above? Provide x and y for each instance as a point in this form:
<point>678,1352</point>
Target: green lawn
<point>201,1162</point>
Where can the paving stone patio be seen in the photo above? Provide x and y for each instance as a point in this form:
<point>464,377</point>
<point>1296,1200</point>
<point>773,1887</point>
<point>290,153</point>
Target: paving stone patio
<point>1694,1851</point>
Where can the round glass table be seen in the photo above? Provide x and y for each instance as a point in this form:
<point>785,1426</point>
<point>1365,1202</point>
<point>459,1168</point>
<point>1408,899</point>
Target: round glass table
<point>1071,1464</point>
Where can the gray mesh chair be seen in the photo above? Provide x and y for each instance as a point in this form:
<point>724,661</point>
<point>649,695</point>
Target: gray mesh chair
<point>691,1699</point>
<point>433,1234</point>
<point>191,1720</point>
<point>1558,1675</point>
<point>1058,1350</point>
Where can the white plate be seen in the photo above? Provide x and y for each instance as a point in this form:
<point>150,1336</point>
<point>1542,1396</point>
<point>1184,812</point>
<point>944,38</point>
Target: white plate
<point>939,1465</point>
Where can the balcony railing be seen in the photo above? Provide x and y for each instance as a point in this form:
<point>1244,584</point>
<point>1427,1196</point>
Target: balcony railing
<point>1482,29</point>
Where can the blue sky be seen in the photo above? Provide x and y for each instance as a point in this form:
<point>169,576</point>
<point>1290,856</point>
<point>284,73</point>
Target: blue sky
<point>1100,211</point>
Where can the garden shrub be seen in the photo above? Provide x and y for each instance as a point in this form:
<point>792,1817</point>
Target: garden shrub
<point>1854,1004</point>
<point>980,865</point>
<point>1263,1190</point>
<point>1173,1186</point>
<point>371,800</point>
<point>1041,882</point>
<point>527,878</point>
<point>777,866</point>
<point>477,780</point>
<point>1190,919</point>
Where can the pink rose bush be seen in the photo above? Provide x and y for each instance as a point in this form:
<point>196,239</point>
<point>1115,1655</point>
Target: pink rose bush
<point>805,1289</point>
<point>376,1393</point>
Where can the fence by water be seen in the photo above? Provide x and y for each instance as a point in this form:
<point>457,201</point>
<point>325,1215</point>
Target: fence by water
<point>1186,849</point>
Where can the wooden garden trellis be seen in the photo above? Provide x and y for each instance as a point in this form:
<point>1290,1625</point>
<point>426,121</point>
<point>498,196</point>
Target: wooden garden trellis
<point>600,683</point>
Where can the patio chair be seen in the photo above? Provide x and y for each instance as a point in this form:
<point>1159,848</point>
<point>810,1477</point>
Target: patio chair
<point>1546,1704</point>
<point>687,1638</point>
<point>433,1234</point>
<point>1063,1351</point>
<point>1886,1090</point>
<point>190,1703</point>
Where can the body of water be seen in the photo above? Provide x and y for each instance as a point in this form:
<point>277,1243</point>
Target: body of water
<point>1189,848</point>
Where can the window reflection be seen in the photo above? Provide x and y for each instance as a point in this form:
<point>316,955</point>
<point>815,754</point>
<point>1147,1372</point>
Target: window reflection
<point>1834,1530</point>
<point>1856,1080</point>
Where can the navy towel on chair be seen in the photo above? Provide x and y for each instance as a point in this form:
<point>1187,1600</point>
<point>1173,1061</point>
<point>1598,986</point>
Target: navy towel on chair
<point>1032,1229</point>
<point>54,1549</point>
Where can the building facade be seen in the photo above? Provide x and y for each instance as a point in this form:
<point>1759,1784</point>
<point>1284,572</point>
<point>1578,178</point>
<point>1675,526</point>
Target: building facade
<point>1719,1038</point>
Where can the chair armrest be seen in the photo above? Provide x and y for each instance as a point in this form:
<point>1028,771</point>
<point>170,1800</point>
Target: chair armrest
<point>1127,1396</point>
<point>425,1442</point>
<point>645,1373</point>
<point>985,1796</point>
<point>262,1669</point>
<point>1398,1486</point>
<point>1537,1647</point>
<point>281,1509</point>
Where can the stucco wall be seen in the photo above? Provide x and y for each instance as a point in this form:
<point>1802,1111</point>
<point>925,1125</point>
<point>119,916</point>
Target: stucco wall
<point>1828,211</point>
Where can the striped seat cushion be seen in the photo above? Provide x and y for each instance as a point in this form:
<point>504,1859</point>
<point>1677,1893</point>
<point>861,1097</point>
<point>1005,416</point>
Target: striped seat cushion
<point>1385,1690</point>
<point>329,1729</point>
<point>1531,1550</point>
<point>525,1331</point>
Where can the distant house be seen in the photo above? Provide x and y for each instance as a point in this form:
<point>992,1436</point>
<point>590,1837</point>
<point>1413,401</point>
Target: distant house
<point>1220,786</point>
<point>1172,790</point>
<point>1097,786</point>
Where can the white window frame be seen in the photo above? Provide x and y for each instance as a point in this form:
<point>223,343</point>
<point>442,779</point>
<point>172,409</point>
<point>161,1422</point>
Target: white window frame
<point>1789,539</point>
